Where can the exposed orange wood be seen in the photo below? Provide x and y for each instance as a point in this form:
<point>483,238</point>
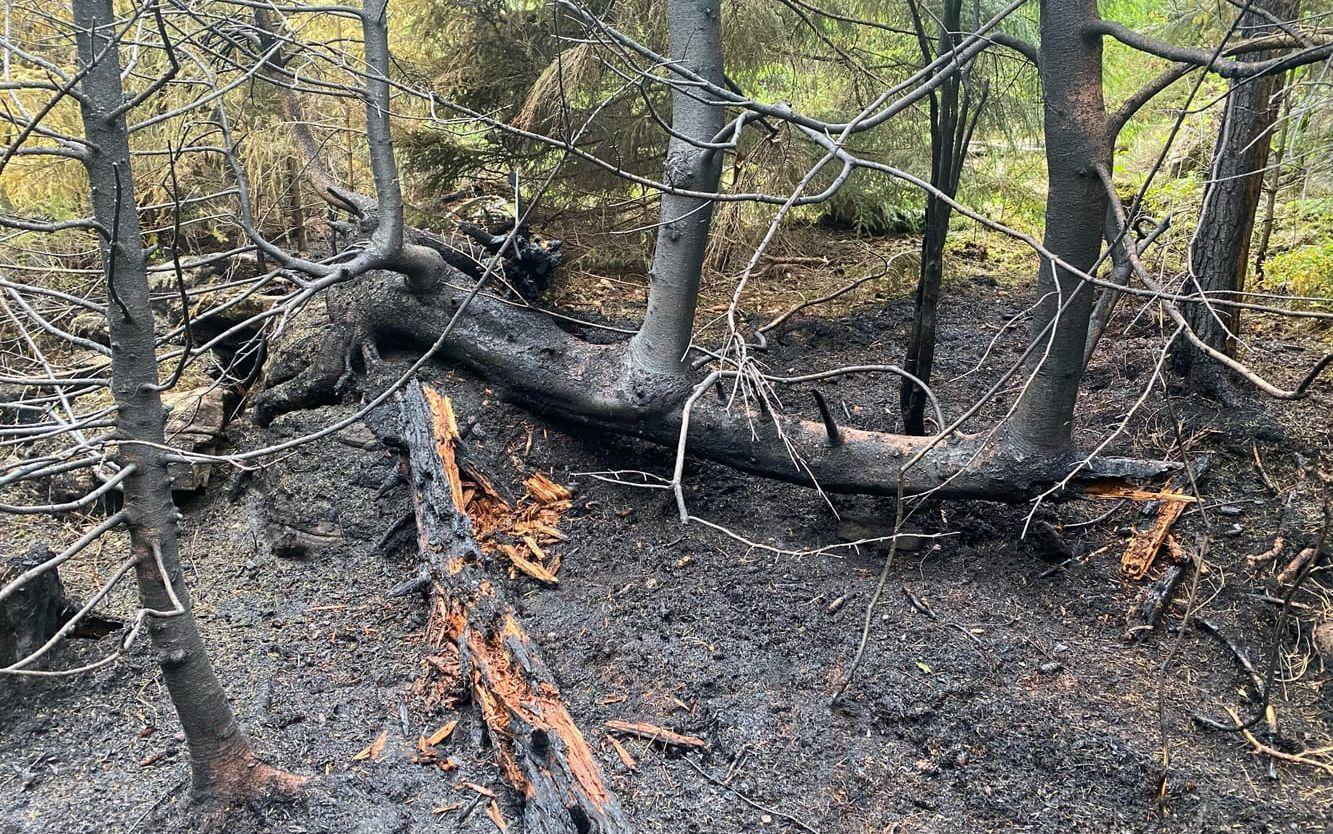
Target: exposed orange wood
<point>545,490</point>
<point>1144,545</point>
<point>540,751</point>
<point>446,435</point>
<point>527,566</point>
<point>493,811</point>
<point>1119,489</point>
<point>652,732</point>
<point>442,733</point>
<point>625,758</point>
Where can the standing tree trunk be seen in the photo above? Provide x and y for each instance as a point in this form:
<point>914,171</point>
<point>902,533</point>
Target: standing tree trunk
<point>224,767</point>
<point>1274,184</point>
<point>1076,203</point>
<point>952,119</point>
<point>658,350</point>
<point>1220,253</point>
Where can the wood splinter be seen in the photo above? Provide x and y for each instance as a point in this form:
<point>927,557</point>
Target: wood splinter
<point>539,749</point>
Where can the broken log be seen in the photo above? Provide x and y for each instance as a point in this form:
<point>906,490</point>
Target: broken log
<point>1169,504</point>
<point>1153,600</point>
<point>538,747</point>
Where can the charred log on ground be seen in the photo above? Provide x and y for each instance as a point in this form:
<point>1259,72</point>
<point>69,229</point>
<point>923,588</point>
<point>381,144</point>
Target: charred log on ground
<point>538,364</point>
<point>538,747</point>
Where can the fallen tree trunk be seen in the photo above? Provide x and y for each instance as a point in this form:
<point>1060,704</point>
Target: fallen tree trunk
<point>542,366</point>
<point>539,749</point>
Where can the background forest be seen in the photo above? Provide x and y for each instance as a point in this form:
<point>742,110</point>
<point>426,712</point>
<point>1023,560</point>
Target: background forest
<point>511,62</point>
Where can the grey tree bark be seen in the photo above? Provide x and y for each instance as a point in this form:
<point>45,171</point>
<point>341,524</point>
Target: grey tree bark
<point>1219,257</point>
<point>223,764</point>
<point>659,348</point>
<point>1076,203</point>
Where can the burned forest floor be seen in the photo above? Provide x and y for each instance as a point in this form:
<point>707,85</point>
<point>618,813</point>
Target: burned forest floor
<point>997,691</point>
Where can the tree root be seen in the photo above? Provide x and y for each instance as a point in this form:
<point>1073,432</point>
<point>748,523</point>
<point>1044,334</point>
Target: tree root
<point>233,789</point>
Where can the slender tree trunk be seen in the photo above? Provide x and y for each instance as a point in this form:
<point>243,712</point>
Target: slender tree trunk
<point>1104,306</point>
<point>1076,203</point>
<point>658,350</point>
<point>1274,184</point>
<point>220,754</point>
<point>952,117</point>
<point>1219,257</point>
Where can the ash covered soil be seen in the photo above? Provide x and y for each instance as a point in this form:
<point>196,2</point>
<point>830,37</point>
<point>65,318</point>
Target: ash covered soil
<point>1019,707</point>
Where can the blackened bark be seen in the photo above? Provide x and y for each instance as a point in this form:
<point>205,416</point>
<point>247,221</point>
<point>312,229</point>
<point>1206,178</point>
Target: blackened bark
<point>538,747</point>
<point>1219,257</point>
<point>220,755</point>
<point>1076,203</point>
<point>542,366</point>
<point>35,612</point>
<point>695,32</point>
<point>953,115</point>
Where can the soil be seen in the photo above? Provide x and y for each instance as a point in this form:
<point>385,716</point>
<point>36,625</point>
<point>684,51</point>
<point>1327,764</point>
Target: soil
<point>1018,707</point>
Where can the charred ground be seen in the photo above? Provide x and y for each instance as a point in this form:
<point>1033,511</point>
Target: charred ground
<point>1038,718</point>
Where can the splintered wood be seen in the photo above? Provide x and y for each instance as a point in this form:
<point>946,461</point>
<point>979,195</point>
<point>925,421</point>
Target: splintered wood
<point>536,744</point>
<point>519,533</point>
<point>1148,541</point>
<point>1144,544</point>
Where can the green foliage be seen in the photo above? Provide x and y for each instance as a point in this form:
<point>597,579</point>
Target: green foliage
<point>1304,266</point>
<point>874,204</point>
<point>1306,270</point>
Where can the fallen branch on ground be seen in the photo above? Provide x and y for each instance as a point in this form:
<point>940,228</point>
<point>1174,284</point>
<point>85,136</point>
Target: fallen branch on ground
<point>539,749</point>
<point>652,732</point>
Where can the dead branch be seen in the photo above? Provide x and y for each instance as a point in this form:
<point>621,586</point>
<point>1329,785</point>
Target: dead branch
<point>538,747</point>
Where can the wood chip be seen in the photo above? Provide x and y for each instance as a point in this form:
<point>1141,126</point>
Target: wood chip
<point>652,732</point>
<point>375,750</point>
<point>545,490</point>
<point>528,566</point>
<point>493,811</point>
<point>534,547</point>
<point>625,758</point>
<point>442,733</point>
<point>474,787</point>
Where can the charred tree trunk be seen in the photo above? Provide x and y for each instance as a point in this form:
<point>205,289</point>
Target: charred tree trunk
<point>540,750</point>
<point>1219,256</point>
<point>1076,204</point>
<point>542,366</point>
<point>658,351</point>
<point>223,765</point>
<point>953,115</point>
